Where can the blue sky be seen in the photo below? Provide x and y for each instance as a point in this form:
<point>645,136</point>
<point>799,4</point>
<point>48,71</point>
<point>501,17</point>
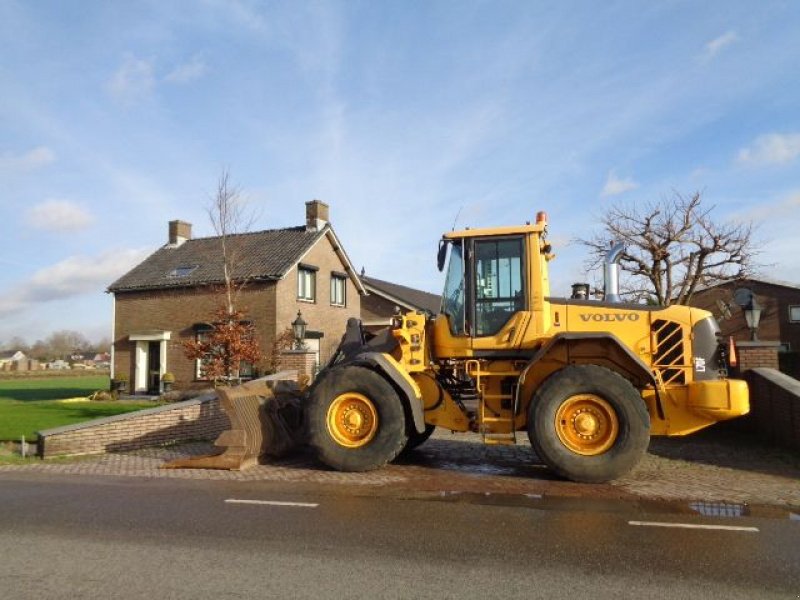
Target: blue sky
<point>118,117</point>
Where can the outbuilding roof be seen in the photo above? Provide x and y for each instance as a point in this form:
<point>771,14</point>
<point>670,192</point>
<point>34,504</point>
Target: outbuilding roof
<point>400,294</point>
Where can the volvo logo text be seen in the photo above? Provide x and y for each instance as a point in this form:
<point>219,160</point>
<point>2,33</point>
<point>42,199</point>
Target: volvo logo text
<point>609,317</point>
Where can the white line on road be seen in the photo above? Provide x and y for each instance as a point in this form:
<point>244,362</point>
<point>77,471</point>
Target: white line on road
<point>273,503</point>
<point>692,526</point>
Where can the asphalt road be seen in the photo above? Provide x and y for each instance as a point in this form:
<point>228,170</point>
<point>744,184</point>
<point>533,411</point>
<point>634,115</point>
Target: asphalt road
<point>104,537</point>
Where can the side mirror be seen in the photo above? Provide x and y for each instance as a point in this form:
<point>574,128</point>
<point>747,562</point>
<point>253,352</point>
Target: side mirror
<point>442,254</point>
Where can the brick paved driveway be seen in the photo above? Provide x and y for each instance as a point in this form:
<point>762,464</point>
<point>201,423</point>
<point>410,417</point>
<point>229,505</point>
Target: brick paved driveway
<point>714,466</point>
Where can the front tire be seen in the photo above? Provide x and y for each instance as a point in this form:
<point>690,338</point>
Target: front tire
<point>417,439</point>
<point>356,420</point>
<point>588,424</point>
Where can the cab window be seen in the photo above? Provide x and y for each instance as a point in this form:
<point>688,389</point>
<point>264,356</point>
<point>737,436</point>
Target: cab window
<point>453,297</point>
<point>498,283</point>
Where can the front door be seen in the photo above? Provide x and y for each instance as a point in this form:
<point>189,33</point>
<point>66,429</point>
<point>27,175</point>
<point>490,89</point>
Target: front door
<point>154,368</point>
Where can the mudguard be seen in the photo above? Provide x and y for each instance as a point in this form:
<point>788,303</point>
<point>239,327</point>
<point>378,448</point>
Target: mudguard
<point>410,393</point>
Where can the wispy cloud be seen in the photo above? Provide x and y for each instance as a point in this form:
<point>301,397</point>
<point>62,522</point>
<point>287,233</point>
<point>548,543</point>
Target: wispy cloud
<point>132,82</point>
<point>28,161</point>
<point>74,276</point>
<point>616,185</point>
<point>187,72</point>
<point>784,207</point>
<point>771,149</point>
<point>718,44</point>
<point>59,215</point>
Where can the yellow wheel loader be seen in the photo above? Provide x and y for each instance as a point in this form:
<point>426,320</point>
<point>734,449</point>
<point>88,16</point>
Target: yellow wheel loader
<point>589,381</point>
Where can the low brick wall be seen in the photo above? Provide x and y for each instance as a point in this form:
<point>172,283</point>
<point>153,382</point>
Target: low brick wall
<point>201,418</point>
<point>775,406</point>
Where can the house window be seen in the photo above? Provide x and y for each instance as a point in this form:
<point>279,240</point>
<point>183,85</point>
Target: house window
<point>306,284</point>
<point>202,333</point>
<point>794,314</point>
<point>182,271</point>
<point>338,289</point>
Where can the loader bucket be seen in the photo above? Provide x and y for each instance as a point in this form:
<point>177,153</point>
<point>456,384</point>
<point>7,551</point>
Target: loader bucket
<point>266,419</point>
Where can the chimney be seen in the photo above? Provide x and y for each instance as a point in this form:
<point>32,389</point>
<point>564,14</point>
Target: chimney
<point>179,232</point>
<point>316,215</point>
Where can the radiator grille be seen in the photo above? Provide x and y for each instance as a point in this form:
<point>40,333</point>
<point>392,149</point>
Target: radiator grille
<point>669,355</point>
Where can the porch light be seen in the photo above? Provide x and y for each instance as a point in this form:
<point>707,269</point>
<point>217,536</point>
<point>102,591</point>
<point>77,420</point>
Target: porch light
<point>299,328</point>
<point>752,314</point>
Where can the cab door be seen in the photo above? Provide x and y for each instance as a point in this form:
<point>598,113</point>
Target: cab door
<point>497,294</point>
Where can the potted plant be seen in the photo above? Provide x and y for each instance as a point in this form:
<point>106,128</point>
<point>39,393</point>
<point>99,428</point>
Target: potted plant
<point>120,383</point>
<point>167,380</point>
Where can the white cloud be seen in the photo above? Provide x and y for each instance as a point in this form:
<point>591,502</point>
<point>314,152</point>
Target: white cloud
<point>59,215</point>
<point>615,186</point>
<point>771,149</point>
<point>781,209</point>
<point>33,159</point>
<point>74,276</point>
<point>716,45</point>
<point>133,81</point>
<point>187,72</point>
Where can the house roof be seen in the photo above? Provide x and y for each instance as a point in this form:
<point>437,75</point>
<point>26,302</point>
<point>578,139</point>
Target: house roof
<point>763,280</point>
<point>262,256</point>
<point>400,294</point>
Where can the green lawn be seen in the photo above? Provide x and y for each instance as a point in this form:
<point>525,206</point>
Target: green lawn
<point>30,405</point>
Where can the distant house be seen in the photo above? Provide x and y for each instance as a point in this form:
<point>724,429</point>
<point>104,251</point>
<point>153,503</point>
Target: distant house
<point>171,296</point>
<point>384,298</point>
<point>13,360</point>
<point>780,314</point>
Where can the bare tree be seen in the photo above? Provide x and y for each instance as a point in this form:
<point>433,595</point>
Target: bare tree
<point>61,344</point>
<point>232,340</point>
<point>229,217</point>
<point>673,248</point>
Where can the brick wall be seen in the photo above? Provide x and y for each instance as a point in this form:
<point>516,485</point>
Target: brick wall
<point>753,355</point>
<point>300,361</point>
<point>775,406</point>
<point>320,315</point>
<point>177,311</point>
<point>196,419</point>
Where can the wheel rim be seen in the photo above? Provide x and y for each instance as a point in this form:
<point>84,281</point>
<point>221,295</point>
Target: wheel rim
<point>352,420</point>
<point>587,424</point>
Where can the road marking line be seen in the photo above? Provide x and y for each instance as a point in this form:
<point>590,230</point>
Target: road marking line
<point>273,503</point>
<point>692,526</point>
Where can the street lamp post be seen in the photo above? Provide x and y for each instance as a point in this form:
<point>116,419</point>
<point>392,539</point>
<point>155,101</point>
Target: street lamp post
<point>752,314</point>
<point>299,329</point>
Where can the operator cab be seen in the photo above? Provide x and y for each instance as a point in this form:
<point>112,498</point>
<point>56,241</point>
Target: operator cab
<point>488,274</point>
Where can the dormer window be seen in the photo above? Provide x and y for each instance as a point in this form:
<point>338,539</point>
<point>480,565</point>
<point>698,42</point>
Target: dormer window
<point>182,271</point>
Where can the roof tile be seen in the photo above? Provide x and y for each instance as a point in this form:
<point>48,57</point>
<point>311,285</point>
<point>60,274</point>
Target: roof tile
<point>260,255</point>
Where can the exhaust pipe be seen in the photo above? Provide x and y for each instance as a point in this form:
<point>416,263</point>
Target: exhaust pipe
<point>611,273</point>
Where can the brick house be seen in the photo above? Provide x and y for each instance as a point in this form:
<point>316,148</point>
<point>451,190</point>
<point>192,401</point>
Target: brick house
<point>171,296</point>
<point>385,297</point>
<point>780,315</point>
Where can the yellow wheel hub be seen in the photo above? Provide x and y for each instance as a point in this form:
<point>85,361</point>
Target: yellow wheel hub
<point>352,420</point>
<point>587,424</point>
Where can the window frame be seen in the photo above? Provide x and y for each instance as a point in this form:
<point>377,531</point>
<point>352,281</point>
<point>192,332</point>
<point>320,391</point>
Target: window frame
<point>794,307</point>
<point>199,334</point>
<point>336,280</point>
<point>305,271</point>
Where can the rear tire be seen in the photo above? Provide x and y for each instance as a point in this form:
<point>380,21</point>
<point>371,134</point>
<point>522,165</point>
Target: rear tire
<point>588,424</point>
<point>356,420</point>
